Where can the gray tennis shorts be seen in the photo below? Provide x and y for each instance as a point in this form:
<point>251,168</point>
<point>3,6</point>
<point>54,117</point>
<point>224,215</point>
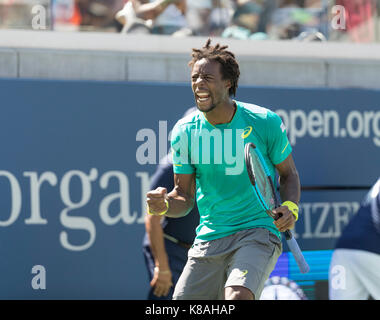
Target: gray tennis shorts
<point>245,258</point>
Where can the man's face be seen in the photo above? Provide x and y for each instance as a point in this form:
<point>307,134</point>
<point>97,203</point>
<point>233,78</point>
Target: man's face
<point>208,86</point>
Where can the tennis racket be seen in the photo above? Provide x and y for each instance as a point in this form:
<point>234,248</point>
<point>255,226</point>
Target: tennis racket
<point>262,183</point>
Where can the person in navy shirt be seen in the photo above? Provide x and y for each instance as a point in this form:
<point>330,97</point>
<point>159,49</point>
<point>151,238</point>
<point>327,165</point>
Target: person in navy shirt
<point>167,240</point>
<point>354,269</point>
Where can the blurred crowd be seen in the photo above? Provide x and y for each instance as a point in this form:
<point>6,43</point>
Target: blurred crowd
<point>240,19</point>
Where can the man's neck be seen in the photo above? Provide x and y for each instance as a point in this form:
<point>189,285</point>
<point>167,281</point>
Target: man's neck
<point>223,113</point>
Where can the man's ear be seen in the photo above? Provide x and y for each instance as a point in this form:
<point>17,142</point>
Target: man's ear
<point>228,83</point>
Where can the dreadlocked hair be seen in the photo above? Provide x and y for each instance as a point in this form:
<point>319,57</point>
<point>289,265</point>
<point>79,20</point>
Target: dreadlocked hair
<point>229,66</point>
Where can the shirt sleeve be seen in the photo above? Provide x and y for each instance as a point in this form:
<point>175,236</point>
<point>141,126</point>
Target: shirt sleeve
<point>374,194</point>
<point>180,140</point>
<point>279,147</point>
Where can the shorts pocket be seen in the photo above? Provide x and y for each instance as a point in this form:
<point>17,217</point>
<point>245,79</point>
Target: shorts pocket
<point>277,243</point>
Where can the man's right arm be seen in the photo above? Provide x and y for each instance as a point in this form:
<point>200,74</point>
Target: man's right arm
<point>151,10</point>
<point>178,203</point>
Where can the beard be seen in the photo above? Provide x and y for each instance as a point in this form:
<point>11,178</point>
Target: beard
<point>205,108</point>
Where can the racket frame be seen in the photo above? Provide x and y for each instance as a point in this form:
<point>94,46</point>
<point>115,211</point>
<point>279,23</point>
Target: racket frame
<point>292,243</point>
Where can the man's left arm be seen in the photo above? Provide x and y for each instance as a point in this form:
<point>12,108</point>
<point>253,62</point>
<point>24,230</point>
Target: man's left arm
<point>290,190</point>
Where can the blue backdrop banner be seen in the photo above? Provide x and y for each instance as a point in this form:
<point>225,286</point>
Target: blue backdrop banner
<point>77,156</point>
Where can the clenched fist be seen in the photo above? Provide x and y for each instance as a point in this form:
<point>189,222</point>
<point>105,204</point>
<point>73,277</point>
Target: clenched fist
<point>156,200</point>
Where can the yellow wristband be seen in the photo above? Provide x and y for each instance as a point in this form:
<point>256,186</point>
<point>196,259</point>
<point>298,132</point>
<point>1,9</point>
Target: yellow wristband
<point>157,269</point>
<point>292,207</point>
<point>161,213</point>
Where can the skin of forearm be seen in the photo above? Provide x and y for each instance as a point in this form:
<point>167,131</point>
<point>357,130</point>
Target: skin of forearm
<point>180,204</point>
<point>290,189</point>
<point>156,238</point>
<point>151,10</point>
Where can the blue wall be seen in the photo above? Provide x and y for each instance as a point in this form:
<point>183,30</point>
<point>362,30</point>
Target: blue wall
<point>72,191</point>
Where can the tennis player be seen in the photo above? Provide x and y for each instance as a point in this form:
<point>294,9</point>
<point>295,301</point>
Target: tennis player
<point>237,244</point>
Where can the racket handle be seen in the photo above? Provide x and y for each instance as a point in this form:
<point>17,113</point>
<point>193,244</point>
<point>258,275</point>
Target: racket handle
<point>295,249</point>
<point>288,235</point>
<point>297,253</point>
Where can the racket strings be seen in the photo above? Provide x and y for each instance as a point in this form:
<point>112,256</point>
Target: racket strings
<point>262,180</point>
<point>263,185</point>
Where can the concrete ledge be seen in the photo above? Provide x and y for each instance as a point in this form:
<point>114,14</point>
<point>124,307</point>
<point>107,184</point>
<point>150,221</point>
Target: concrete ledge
<point>74,65</point>
<point>283,72</point>
<point>8,63</point>
<point>119,57</point>
<point>364,74</point>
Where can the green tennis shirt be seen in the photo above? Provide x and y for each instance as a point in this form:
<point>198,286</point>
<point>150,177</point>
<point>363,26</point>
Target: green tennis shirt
<point>215,153</point>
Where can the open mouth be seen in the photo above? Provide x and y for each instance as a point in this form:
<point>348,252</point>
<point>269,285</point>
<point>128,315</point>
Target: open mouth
<point>203,96</point>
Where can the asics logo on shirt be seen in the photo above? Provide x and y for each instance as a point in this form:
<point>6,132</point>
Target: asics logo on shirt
<point>247,132</point>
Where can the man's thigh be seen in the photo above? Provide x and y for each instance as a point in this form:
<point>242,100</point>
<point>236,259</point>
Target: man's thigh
<point>246,258</point>
<point>201,279</point>
<point>253,262</point>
